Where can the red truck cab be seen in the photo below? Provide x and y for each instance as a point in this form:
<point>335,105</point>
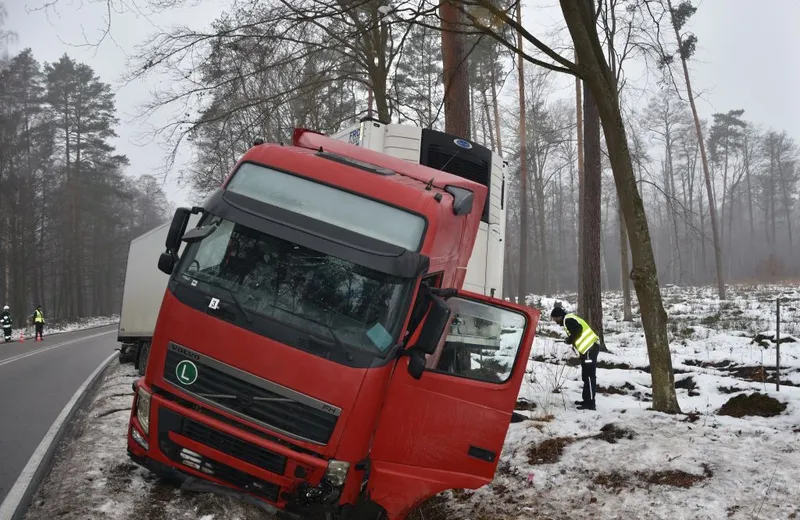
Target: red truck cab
<point>309,350</point>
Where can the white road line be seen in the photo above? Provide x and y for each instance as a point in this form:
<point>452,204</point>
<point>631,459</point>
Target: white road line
<point>51,347</point>
<point>17,492</point>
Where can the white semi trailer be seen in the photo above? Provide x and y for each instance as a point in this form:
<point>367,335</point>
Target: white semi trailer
<point>142,293</point>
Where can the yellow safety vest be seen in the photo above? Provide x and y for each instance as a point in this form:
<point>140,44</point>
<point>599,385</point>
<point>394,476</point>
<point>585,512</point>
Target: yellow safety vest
<point>38,317</point>
<point>587,337</point>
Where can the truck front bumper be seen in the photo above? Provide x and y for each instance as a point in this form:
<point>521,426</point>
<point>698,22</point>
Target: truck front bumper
<point>197,451</point>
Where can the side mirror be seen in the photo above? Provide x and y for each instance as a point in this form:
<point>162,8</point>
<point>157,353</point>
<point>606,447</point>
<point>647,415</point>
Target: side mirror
<point>166,263</point>
<point>176,229</point>
<point>434,326</point>
<point>197,234</point>
<point>416,363</point>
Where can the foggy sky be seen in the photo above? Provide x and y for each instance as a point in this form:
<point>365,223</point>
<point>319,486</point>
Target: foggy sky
<point>746,58</point>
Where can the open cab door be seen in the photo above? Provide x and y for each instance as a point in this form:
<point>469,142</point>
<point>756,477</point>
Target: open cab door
<point>450,400</point>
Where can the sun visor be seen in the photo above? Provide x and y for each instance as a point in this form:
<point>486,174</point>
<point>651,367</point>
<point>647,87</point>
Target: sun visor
<point>317,235</point>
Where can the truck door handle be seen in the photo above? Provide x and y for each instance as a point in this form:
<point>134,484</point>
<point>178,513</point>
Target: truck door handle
<point>482,454</point>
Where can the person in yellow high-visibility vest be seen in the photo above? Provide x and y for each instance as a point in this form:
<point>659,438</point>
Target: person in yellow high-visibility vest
<point>38,322</point>
<point>581,336</point>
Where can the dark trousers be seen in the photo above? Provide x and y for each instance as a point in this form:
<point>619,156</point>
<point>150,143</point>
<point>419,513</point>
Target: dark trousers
<point>7,333</point>
<point>589,373</point>
<point>39,330</point>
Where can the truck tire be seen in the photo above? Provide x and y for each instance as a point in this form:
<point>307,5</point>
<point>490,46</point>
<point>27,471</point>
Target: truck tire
<point>144,353</point>
<point>127,353</point>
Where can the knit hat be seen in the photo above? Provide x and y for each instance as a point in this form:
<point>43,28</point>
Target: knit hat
<point>558,312</point>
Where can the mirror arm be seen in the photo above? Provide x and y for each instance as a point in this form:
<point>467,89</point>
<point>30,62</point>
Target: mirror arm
<point>444,293</point>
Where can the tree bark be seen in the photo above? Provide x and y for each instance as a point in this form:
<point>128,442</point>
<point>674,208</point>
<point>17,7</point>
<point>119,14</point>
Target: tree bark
<point>496,108</point>
<point>627,312</point>
<point>523,174</point>
<point>591,219</point>
<point>746,150</point>
<point>596,73</point>
<point>579,242</point>
<point>455,73</point>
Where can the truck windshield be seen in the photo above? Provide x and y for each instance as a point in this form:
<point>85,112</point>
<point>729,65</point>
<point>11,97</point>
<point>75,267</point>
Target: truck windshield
<point>298,286</point>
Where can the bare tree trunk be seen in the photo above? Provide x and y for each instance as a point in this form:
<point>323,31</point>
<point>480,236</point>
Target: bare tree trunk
<point>579,242</point>
<point>711,206</point>
<point>487,121</point>
<point>787,202</point>
<point>673,212</point>
<point>749,195</point>
<point>523,173</point>
<point>593,67</point>
<point>591,219</point>
<point>627,312</point>
<point>455,73</point>
<point>496,108</point>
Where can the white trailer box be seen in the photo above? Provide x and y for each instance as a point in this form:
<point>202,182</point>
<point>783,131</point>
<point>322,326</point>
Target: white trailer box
<point>143,289</point>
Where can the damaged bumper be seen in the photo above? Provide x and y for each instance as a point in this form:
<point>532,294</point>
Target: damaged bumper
<point>201,450</point>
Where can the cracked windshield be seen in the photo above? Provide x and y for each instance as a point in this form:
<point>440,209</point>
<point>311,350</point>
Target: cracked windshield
<point>299,286</point>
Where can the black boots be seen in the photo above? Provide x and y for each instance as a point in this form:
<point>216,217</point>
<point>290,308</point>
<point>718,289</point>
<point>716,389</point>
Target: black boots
<point>585,405</point>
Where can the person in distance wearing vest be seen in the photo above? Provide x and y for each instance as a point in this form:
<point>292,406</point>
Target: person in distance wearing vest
<point>38,322</point>
<point>585,341</point>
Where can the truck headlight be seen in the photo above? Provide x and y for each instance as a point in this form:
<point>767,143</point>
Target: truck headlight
<point>143,410</point>
<point>336,474</point>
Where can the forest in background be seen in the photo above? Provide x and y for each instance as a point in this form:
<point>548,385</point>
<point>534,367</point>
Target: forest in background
<point>68,210</point>
<point>260,70</point>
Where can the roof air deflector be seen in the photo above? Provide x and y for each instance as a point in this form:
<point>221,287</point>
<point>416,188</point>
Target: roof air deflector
<point>462,199</point>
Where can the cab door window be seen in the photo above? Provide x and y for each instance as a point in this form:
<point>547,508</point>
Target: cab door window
<point>483,341</point>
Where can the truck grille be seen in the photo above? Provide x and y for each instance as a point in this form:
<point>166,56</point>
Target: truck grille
<point>250,397</point>
<point>171,421</point>
<point>233,446</point>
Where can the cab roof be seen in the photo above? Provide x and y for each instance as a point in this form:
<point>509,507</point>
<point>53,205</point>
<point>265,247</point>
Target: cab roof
<point>312,140</point>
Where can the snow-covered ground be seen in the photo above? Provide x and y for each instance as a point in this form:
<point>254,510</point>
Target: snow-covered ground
<point>622,461</point>
<point>93,479</point>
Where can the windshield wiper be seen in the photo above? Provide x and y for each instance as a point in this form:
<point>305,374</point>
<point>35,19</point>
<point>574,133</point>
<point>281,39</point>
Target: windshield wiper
<point>339,343</point>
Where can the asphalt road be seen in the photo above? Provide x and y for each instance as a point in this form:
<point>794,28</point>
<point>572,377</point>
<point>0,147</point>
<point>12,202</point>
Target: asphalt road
<point>36,382</point>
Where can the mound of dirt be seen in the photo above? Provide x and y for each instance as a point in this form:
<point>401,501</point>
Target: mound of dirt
<point>549,451</point>
<point>688,383</point>
<point>524,404</point>
<point>611,433</point>
<point>765,338</point>
<point>707,364</point>
<point>754,404</point>
<point>619,390</point>
<point>675,478</point>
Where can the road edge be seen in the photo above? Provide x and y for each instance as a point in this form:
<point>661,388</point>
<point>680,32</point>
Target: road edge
<point>16,502</point>
<point>93,327</point>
